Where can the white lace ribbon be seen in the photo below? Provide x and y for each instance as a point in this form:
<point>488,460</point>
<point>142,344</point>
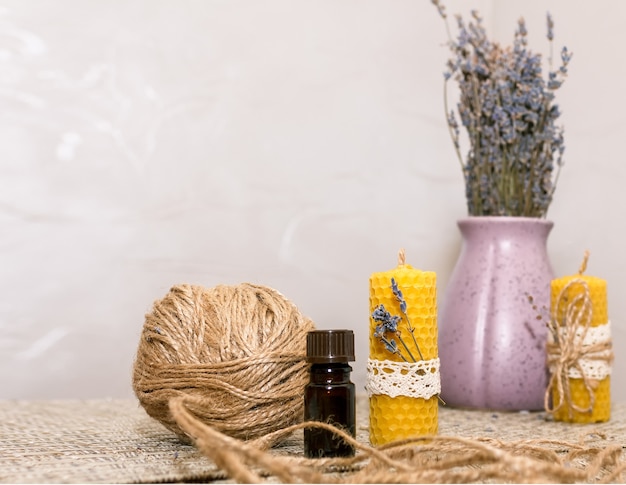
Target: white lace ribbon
<point>598,368</point>
<point>411,379</point>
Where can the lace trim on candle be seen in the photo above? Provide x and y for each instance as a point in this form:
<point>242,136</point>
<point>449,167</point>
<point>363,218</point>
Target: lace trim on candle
<point>411,379</point>
<point>596,365</point>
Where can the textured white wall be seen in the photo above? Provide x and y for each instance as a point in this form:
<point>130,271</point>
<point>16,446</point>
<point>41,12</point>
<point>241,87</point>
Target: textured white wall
<point>297,144</point>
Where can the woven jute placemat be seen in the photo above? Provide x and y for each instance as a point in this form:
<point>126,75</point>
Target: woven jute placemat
<point>115,441</point>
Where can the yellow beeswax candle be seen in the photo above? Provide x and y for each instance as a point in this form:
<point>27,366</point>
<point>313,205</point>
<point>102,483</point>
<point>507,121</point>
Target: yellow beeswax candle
<point>403,396</point>
<point>564,293</point>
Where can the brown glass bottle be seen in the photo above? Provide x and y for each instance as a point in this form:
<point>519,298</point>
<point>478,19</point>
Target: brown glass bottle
<point>330,395</point>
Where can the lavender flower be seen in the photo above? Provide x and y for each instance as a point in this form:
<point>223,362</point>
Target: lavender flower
<point>550,24</point>
<point>389,324</point>
<point>392,347</point>
<point>508,112</point>
<point>398,294</point>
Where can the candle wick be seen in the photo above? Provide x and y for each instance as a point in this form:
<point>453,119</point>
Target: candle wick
<point>401,257</point>
<point>583,266</point>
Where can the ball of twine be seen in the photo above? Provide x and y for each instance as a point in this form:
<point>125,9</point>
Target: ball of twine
<point>232,356</point>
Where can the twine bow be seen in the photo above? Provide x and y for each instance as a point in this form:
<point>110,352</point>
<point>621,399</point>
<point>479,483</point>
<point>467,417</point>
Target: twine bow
<point>566,350</point>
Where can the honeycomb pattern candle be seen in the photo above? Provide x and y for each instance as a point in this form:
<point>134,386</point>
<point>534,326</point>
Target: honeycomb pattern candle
<point>403,369</point>
<point>581,326</point>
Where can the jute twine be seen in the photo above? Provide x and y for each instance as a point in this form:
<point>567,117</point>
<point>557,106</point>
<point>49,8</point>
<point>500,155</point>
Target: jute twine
<point>430,459</point>
<point>566,350</point>
<point>233,357</point>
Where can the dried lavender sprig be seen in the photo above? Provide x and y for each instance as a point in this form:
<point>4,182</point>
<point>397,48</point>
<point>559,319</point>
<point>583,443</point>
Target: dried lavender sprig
<point>400,297</point>
<point>442,11</point>
<point>392,347</point>
<point>453,126</point>
<point>544,314</point>
<point>550,35</point>
<point>389,323</point>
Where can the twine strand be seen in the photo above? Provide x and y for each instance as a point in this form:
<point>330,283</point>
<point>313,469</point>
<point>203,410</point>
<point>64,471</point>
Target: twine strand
<point>566,350</point>
<point>425,459</point>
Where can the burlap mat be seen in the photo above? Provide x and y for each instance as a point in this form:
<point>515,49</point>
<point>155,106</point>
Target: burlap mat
<point>114,441</point>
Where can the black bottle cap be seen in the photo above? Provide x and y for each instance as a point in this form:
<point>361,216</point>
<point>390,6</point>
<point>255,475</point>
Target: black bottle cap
<point>329,346</point>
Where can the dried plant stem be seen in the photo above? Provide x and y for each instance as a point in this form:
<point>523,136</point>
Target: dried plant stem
<point>556,180</point>
<point>405,346</point>
<point>455,140</point>
<point>397,351</point>
<point>412,330</point>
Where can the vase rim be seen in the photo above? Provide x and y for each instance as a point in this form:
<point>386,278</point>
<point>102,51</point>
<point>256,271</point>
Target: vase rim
<point>522,219</point>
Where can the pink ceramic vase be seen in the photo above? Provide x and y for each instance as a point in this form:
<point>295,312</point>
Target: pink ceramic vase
<point>491,345</point>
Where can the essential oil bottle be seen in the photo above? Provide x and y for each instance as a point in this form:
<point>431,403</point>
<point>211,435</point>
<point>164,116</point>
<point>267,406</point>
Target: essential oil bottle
<point>330,395</point>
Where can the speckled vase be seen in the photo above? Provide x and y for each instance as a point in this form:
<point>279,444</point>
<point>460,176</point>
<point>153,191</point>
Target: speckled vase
<point>492,347</point>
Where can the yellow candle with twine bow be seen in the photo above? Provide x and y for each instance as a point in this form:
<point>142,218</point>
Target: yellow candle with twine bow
<point>403,368</point>
<point>579,349</point>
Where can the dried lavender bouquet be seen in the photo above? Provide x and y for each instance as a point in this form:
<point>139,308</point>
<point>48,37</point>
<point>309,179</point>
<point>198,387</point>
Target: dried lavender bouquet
<point>508,111</point>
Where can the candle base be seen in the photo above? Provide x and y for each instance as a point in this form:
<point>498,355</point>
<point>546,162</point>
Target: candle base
<point>394,418</point>
<point>601,410</point>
